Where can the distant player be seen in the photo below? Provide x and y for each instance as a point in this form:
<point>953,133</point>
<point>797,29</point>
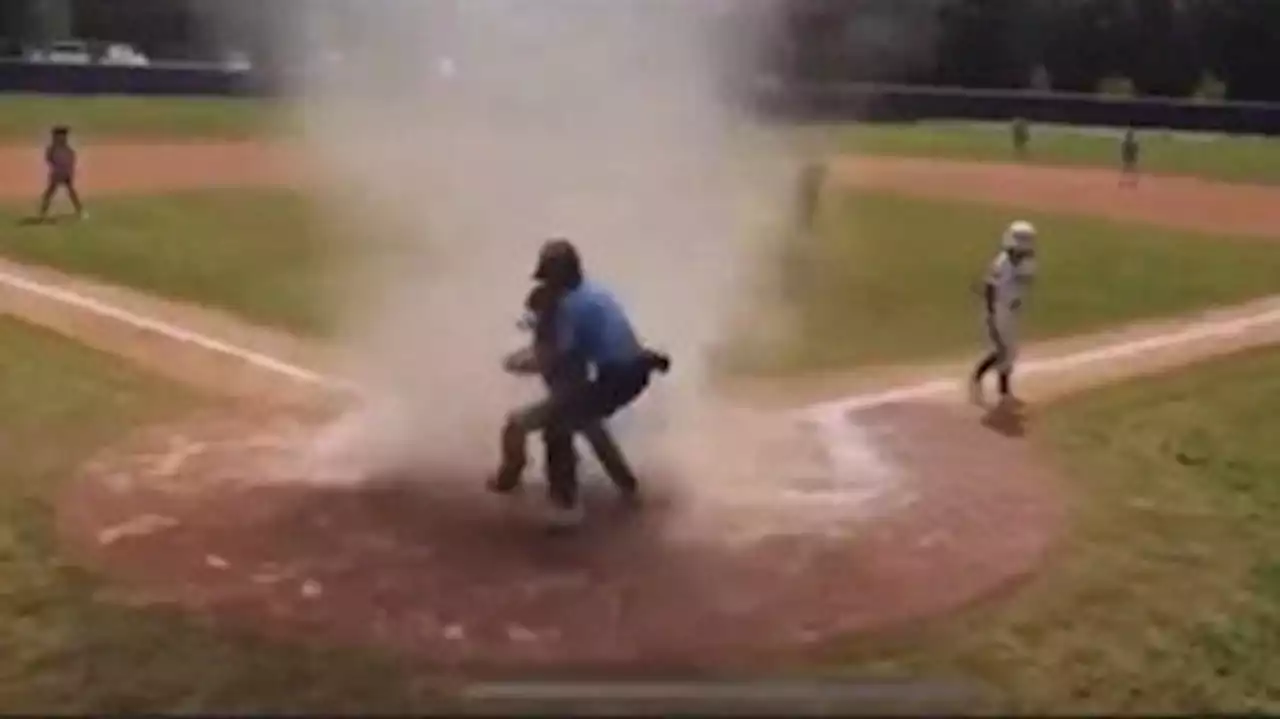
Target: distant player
<point>798,250</point>
<point>813,180</point>
<point>1129,151</point>
<point>1021,138</point>
<point>60,161</point>
<point>1003,292</point>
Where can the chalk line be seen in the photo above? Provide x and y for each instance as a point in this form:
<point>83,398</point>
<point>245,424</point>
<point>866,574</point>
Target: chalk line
<point>823,412</point>
<point>171,331</point>
<point>1195,332</point>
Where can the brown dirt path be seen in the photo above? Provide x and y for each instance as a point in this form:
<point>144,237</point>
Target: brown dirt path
<point>131,168</point>
<point>1168,201</point>
<point>1179,203</point>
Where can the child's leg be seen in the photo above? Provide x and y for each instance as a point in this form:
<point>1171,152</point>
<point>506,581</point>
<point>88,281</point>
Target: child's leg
<point>515,432</point>
<point>992,358</point>
<point>1005,364</point>
<point>985,365</point>
<point>47,198</point>
<point>75,196</point>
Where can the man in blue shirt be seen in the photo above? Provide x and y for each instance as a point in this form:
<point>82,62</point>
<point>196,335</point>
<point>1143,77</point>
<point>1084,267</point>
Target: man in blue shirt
<point>591,330</point>
<point>541,308</point>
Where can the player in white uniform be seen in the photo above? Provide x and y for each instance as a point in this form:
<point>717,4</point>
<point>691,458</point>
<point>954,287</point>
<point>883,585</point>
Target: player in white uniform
<point>1004,290</point>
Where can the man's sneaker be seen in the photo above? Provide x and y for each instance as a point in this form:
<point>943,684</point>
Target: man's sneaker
<point>630,498</point>
<point>560,518</point>
<point>503,483</point>
<point>1009,402</point>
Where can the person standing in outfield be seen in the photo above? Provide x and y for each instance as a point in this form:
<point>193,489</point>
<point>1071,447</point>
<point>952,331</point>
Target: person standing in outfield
<point>60,160</point>
<point>1003,292</point>
<point>593,329</point>
<point>1129,151</point>
<point>1021,138</point>
<point>813,179</point>
<point>798,249</point>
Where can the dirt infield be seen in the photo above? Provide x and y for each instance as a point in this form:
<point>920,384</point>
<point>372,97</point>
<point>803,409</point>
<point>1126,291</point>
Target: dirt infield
<point>186,515</point>
<point>1179,203</point>
<point>1174,202</point>
<point>153,168</point>
<point>205,515</point>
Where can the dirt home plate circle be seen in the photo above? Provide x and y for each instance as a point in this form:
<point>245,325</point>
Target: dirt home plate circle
<point>215,514</point>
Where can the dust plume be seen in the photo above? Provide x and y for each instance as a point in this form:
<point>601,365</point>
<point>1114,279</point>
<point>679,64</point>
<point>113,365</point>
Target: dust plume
<point>453,137</point>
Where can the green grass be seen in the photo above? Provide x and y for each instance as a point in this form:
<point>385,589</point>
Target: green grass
<point>1165,597</point>
<point>259,253</point>
<point>1235,159</point>
<point>889,279</point>
<point>27,118</point>
<point>69,650</point>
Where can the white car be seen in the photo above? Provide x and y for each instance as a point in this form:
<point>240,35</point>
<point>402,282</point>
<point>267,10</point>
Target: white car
<point>237,61</point>
<point>125,55</point>
<point>66,52</point>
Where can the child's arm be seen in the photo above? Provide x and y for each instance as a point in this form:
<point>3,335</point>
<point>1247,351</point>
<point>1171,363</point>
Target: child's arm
<point>522,362</point>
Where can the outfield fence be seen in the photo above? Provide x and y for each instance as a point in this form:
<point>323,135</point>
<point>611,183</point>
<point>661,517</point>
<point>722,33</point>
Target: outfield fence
<point>791,101</point>
<point>172,78</point>
<point>905,103</point>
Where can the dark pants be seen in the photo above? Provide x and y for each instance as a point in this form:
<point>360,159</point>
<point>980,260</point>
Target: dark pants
<point>581,408</point>
<point>56,181</point>
<point>1129,171</point>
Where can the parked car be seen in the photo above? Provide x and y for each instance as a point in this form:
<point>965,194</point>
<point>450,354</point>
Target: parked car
<point>124,54</point>
<point>237,61</point>
<point>63,52</point>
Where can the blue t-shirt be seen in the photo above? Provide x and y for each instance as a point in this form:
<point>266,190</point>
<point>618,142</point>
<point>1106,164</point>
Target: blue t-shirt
<point>593,326</point>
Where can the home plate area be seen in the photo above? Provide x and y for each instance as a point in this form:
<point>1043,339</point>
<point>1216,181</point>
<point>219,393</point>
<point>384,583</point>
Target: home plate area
<point>211,514</point>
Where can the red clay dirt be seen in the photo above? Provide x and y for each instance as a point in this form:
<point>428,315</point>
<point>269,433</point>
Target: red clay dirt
<point>125,168</point>
<point>1177,203</point>
<point>434,567</point>
<point>442,571</point>
<point>1185,203</point>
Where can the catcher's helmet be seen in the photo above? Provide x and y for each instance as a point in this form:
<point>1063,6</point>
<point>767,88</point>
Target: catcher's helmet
<point>558,263</point>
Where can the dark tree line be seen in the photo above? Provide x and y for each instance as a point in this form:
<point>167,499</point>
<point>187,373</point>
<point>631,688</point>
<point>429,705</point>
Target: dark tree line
<point>1174,48</point>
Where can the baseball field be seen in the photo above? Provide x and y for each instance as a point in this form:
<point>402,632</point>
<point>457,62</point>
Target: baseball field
<point>1109,551</point>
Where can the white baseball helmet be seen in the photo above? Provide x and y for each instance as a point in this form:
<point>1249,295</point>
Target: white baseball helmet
<point>1021,235</point>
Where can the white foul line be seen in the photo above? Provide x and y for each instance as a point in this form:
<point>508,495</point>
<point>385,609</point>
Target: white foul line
<point>1202,330</point>
<point>170,331</point>
<point>828,410</point>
